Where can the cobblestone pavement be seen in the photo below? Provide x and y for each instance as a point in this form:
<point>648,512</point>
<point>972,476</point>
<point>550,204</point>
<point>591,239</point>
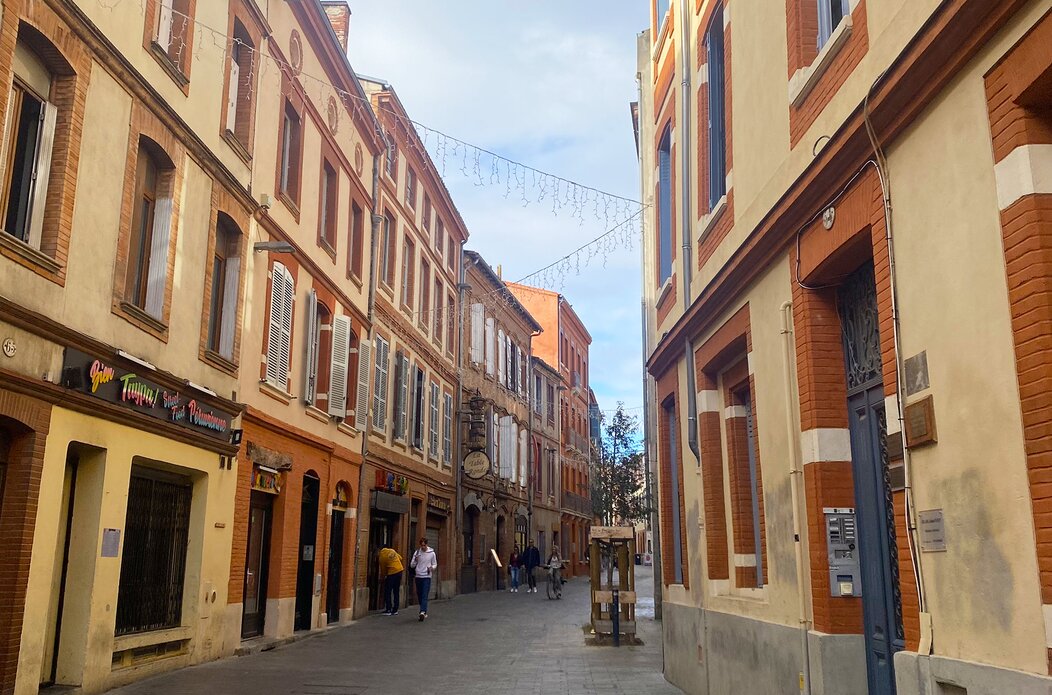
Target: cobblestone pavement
<point>490,642</point>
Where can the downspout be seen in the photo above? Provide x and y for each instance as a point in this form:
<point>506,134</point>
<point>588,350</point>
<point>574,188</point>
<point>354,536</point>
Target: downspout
<point>376,219</point>
<point>531,463</point>
<point>688,353</point>
<point>649,430</point>
<point>795,475</point>
<point>459,404</point>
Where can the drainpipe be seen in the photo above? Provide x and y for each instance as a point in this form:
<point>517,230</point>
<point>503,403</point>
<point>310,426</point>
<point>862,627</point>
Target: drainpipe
<point>459,402</point>
<point>685,190</point>
<point>530,463</point>
<point>376,219</point>
<point>795,475</point>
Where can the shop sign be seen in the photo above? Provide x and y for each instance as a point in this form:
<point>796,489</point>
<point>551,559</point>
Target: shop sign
<point>386,502</point>
<point>476,464</point>
<point>395,484</point>
<point>103,380</point>
<point>266,481</point>
<point>437,504</point>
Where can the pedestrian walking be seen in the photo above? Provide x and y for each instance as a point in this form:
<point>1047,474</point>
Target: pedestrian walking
<point>514,563</point>
<point>391,569</point>
<point>423,563</point>
<point>555,565</point>
<point>531,560</point>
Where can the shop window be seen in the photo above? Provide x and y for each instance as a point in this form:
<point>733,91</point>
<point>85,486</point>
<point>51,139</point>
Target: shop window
<point>330,192</point>
<point>150,229</point>
<point>356,253</point>
<point>381,359</point>
<point>387,249</point>
<point>153,559</point>
<point>433,422</point>
<point>226,281</point>
<point>664,207</point>
<point>408,267</point>
<point>174,33</point>
<point>240,87</point>
<point>291,153</point>
<point>28,145</point>
<point>830,14</point>
<point>279,332</point>
<point>418,408</point>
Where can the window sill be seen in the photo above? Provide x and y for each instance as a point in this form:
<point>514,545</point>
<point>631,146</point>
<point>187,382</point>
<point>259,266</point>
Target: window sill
<point>805,79</point>
<point>219,362</point>
<point>236,145</point>
<point>663,293</point>
<point>709,220</point>
<point>355,280</point>
<point>147,639</point>
<point>318,414</point>
<point>146,321</point>
<point>350,430</point>
<point>269,389</point>
<point>291,204</point>
<point>173,70</point>
<point>327,248</point>
<point>34,256</point>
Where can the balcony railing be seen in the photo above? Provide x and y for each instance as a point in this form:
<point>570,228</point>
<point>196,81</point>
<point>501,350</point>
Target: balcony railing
<point>577,504</point>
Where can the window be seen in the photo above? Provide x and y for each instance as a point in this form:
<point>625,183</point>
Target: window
<point>361,391</point>
<point>425,292</point>
<point>407,274</point>
<point>664,207</point>
<point>745,482</point>
<point>401,394</point>
<point>662,10</point>
<point>436,318</point>
<point>450,313</point>
<point>447,430</point>
<point>330,192</point>
<point>551,404</point>
<point>174,34</point>
<point>356,252</point>
<point>426,221</point>
<point>478,321</point>
<point>387,255</point>
<point>717,109</point>
<point>151,226</point>
<point>29,137</point>
<point>552,476</point>
<point>502,357</point>
<point>226,281</point>
<point>279,332</point>
<point>672,531</point>
<point>340,377</point>
<point>451,256</point>
<point>410,187</point>
<point>240,88</point>
<point>392,157</point>
<point>318,351</point>
<point>490,345</point>
<point>291,146</point>
<point>830,14</point>
<point>538,395</point>
<point>433,422</point>
<point>153,561</point>
<point>381,356</point>
<point>418,408</point>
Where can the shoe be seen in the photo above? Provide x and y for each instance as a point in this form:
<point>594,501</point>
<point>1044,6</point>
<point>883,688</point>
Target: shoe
<point>395,613</point>
<point>386,613</point>
<point>510,590</point>
<point>423,616</point>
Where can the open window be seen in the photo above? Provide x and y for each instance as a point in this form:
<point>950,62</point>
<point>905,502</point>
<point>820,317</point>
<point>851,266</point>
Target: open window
<point>151,226</point>
<point>290,154</point>
<point>225,284</point>
<point>240,87</point>
<point>173,35</point>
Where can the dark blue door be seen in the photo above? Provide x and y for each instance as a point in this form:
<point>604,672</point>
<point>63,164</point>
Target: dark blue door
<point>874,510</point>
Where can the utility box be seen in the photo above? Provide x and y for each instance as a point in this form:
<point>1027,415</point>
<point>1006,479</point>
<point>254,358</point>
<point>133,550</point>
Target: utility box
<point>845,578</point>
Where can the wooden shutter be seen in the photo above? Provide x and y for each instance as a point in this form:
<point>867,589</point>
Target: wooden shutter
<point>157,276</point>
<point>279,339</point>
<point>361,404</point>
<point>502,355</point>
<point>341,353</point>
<point>447,429</point>
<point>41,172</point>
<point>310,369</point>
<point>233,84</point>
<point>228,321</point>
<point>402,407</point>
<point>164,25</point>
<point>381,358</point>
<point>489,346</point>
<point>478,320</point>
<point>433,420</point>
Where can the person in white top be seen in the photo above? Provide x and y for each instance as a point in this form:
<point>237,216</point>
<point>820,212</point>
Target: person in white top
<point>424,563</point>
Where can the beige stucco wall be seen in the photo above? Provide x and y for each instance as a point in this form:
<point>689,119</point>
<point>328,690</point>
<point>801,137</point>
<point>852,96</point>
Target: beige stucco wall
<point>92,586</point>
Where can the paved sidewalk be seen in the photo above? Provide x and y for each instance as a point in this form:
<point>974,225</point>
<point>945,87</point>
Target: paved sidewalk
<point>490,642</point>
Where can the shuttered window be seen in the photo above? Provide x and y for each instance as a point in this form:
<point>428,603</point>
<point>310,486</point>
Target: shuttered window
<point>664,210</point>
<point>830,14</point>
<point>418,396</point>
<point>490,346</point>
<point>312,342</point>
<point>382,358</point>
<point>401,394</point>
<point>338,372</point>
<point>478,323</point>
<point>502,356</point>
<point>361,403</point>
<point>279,334</point>
<point>447,430</point>
<point>717,109</point>
<point>433,422</point>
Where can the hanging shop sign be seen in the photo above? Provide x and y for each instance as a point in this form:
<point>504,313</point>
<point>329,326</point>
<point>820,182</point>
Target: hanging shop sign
<point>102,379</point>
<point>265,480</point>
<point>476,464</point>
<point>395,484</point>
<point>437,505</point>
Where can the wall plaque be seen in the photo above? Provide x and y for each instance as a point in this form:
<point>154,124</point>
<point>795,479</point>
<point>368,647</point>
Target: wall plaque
<point>932,531</point>
<point>919,422</point>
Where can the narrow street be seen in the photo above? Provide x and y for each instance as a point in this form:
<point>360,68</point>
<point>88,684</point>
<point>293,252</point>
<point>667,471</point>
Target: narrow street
<point>490,642</point>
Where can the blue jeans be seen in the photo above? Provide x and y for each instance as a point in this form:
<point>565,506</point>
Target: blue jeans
<point>514,577</point>
<point>423,590</point>
<point>391,585</point>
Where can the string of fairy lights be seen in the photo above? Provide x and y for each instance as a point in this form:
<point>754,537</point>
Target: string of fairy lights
<point>514,180</point>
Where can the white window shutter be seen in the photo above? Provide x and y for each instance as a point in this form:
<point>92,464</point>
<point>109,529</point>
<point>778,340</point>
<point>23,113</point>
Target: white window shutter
<point>164,25</point>
<point>228,321</point>
<point>489,346</point>
<point>288,301</point>
<point>157,276</point>
<point>341,353</point>
<point>433,420</point>
<point>381,357</point>
<point>277,281</point>
<point>41,173</point>
<point>310,371</point>
<point>478,319</point>
<point>502,354</point>
<point>447,429</point>
<point>403,397</point>
<point>234,84</point>
<point>361,403</point>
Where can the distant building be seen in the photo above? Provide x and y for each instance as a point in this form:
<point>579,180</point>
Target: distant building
<point>595,422</point>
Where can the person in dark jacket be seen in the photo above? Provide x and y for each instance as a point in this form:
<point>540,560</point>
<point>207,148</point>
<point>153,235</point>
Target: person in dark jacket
<point>514,565</point>
<point>531,560</point>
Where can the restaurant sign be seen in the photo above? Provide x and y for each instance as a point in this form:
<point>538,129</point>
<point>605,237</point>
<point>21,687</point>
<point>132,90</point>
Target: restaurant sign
<point>101,379</point>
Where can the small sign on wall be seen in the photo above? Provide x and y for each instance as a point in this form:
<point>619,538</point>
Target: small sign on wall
<point>932,531</point>
<point>111,542</point>
<point>919,419</point>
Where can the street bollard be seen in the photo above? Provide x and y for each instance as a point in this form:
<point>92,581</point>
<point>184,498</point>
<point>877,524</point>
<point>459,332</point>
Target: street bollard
<point>616,608</point>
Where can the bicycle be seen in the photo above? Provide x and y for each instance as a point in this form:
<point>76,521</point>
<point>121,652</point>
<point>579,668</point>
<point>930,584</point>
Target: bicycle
<point>555,583</point>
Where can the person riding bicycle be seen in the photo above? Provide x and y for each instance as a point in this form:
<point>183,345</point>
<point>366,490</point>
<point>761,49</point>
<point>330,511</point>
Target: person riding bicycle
<point>555,568</point>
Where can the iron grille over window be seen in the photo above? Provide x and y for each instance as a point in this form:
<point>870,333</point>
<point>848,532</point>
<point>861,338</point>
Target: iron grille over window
<point>860,324</point>
<point>153,564</point>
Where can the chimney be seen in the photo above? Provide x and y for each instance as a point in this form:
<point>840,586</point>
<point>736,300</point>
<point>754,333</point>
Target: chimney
<point>339,14</point>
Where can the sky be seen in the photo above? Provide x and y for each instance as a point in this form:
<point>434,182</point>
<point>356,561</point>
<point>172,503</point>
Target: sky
<point>547,83</point>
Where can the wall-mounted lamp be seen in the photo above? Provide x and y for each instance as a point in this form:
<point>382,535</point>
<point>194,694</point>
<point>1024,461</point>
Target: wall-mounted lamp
<point>275,246</point>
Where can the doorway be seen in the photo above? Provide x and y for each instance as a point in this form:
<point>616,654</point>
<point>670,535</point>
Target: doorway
<point>468,571</point>
<point>308,538</point>
<point>381,533</point>
<point>257,555</point>
<point>334,586</point>
<point>874,510</point>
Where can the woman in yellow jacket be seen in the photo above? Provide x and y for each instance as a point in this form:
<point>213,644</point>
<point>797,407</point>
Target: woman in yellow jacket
<point>391,569</point>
